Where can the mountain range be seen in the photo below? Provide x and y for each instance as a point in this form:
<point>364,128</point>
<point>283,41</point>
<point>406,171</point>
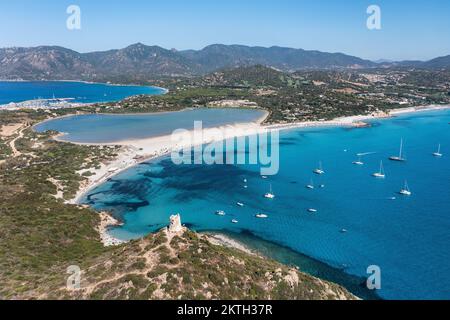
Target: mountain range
<point>140,61</point>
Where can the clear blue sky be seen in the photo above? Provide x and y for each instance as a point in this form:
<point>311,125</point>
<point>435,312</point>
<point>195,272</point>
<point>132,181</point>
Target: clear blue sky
<point>414,29</point>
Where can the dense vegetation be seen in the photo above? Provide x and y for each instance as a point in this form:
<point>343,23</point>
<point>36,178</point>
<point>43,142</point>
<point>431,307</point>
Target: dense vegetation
<point>39,234</point>
<point>188,266</point>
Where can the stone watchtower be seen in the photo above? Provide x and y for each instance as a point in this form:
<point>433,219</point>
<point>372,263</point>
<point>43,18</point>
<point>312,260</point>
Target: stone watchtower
<point>175,225</point>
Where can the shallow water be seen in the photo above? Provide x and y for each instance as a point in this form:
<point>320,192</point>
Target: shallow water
<point>104,128</point>
<point>409,238</point>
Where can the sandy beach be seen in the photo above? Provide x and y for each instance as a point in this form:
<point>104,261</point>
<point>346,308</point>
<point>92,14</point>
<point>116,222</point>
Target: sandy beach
<point>356,121</point>
<point>106,222</point>
<point>134,152</point>
<point>223,240</point>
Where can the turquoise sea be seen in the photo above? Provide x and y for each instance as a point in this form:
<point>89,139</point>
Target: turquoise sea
<point>408,238</point>
<point>80,92</point>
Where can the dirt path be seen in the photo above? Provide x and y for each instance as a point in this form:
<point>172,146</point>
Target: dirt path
<point>12,143</point>
<point>151,258</point>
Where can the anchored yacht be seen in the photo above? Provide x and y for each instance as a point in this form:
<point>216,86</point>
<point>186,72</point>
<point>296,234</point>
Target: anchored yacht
<point>405,191</point>
<point>381,173</point>
<point>400,155</point>
<point>270,194</point>
<point>438,153</point>
<point>319,170</point>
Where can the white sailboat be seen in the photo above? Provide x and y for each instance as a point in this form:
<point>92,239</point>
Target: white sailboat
<point>234,221</point>
<point>438,153</point>
<point>239,204</point>
<point>220,212</point>
<point>358,162</point>
<point>270,194</point>
<point>261,216</point>
<point>381,173</point>
<point>405,191</point>
<point>310,185</point>
<point>312,210</point>
<point>319,170</point>
<point>400,155</point>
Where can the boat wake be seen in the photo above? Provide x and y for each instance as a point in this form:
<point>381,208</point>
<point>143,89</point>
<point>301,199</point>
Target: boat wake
<point>365,154</point>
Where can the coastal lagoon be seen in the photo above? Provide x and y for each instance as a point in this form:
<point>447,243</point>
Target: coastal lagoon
<point>104,128</point>
<point>78,92</point>
<point>408,238</point>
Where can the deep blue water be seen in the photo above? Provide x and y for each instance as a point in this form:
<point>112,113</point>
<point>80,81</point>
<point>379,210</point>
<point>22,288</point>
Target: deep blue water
<point>103,128</point>
<point>409,238</point>
<point>78,91</point>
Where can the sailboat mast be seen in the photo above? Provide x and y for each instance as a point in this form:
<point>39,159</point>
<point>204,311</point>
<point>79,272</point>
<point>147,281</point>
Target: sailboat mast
<point>401,148</point>
<point>381,168</point>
